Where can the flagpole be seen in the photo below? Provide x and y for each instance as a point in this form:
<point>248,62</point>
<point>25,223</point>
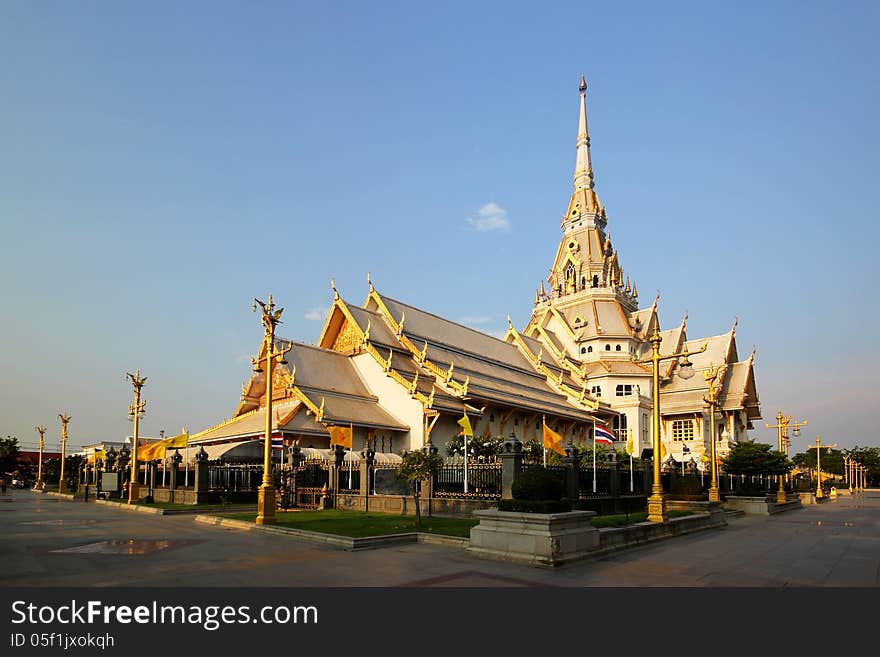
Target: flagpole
<point>186,462</point>
<point>465,463</point>
<point>630,459</point>
<point>594,456</point>
<point>543,426</point>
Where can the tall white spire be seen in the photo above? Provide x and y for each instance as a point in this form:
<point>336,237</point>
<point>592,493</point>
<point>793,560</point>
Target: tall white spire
<point>583,168</point>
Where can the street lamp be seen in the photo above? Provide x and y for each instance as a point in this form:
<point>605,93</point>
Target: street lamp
<point>818,446</point>
<point>782,441</point>
<point>136,410</point>
<point>40,485</point>
<point>65,418</point>
<point>656,502</point>
<point>270,319</point>
<point>712,399</point>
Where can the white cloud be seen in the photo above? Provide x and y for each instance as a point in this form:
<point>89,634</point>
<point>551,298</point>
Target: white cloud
<point>490,217</point>
<point>317,314</point>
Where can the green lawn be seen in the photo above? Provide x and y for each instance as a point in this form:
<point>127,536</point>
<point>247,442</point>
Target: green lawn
<point>357,524</point>
<point>622,520</point>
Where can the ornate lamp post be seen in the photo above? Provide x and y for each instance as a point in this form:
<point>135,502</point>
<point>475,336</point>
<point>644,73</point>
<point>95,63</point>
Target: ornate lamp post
<point>270,319</point>
<point>40,485</point>
<point>712,399</point>
<point>656,502</point>
<point>135,411</point>
<point>782,442</point>
<point>818,446</point>
<point>847,463</point>
<point>65,418</point>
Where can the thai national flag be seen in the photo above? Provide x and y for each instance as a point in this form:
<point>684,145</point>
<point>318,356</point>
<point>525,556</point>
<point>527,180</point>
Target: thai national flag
<point>278,443</point>
<point>603,435</point>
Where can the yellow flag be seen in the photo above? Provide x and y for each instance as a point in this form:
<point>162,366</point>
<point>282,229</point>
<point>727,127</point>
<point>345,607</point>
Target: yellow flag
<point>630,447</point>
<point>340,436</point>
<point>153,451</point>
<point>553,440</point>
<point>178,441</point>
<point>662,451</point>
<point>465,425</point>
<point>703,457</point>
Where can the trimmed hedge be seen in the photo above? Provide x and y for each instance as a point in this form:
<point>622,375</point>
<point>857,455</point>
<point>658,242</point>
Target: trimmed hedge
<point>534,506</point>
<point>537,483</point>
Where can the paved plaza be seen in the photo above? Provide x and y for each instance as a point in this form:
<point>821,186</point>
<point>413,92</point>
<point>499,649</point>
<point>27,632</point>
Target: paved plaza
<point>51,541</point>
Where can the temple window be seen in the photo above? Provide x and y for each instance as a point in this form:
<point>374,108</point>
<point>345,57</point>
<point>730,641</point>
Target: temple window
<point>617,348</point>
<point>619,426</point>
<point>607,347</point>
<point>682,430</point>
<point>583,350</point>
<point>596,281</point>
<point>623,390</point>
<point>596,391</point>
<point>589,349</point>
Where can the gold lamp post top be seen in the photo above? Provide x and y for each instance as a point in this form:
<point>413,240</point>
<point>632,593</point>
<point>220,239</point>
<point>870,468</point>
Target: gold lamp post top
<point>136,379</point>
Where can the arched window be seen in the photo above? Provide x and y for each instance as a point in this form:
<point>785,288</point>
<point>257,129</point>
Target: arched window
<point>607,347</point>
<point>491,417</point>
<point>583,350</point>
<point>617,348</point>
<point>590,349</point>
<point>595,280</point>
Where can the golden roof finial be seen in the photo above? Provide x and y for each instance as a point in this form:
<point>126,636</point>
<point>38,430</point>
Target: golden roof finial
<point>430,402</point>
<point>332,287</point>
<point>320,416</point>
<point>415,384</point>
<point>464,386</point>
<point>449,371</point>
<point>627,289</point>
<point>401,324</point>
<point>423,355</point>
<point>635,292</point>
<point>735,322</point>
<point>369,282</point>
<point>752,355</point>
<point>387,365</point>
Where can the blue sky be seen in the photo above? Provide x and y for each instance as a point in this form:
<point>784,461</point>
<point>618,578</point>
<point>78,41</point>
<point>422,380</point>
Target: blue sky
<point>163,163</point>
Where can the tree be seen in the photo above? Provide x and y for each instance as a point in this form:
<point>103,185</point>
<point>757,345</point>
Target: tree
<point>9,453</point>
<point>488,446</point>
<point>747,457</point>
<point>414,469</point>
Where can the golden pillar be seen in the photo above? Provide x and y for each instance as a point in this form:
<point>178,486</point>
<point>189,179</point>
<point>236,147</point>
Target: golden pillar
<point>818,446</point>
<point>135,411</point>
<point>712,399</point>
<point>657,502</point>
<point>40,485</point>
<point>65,418</point>
<point>783,422</point>
<point>270,319</point>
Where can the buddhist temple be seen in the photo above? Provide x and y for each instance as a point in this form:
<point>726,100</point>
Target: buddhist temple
<point>401,377</point>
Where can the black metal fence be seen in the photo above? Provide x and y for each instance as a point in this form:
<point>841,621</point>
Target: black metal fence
<point>234,478</point>
<point>483,479</point>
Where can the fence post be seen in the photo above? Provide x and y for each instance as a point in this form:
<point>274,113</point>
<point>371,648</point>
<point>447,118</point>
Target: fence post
<point>201,474</point>
<point>511,465</point>
<point>613,475</point>
<point>572,485</point>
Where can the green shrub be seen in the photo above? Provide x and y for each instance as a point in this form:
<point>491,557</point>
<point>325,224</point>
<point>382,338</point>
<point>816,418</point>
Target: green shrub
<point>534,506</point>
<point>537,483</point>
<point>686,485</point>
